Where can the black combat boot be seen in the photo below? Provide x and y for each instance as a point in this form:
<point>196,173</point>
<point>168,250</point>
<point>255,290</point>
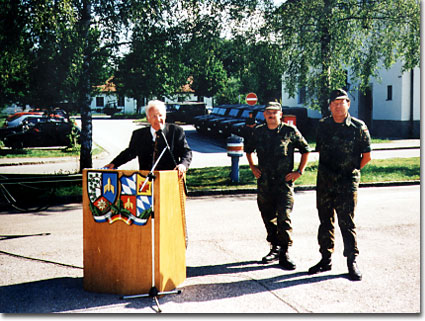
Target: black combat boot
<point>354,273</point>
<point>284,261</point>
<point>325,264</point>
<point>273,254</point>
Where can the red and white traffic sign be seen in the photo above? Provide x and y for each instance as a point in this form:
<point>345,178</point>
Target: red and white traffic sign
<point>251,99</point>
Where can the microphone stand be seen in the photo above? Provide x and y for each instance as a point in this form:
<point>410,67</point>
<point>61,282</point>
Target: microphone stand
<point>153,292</point>
<point>172,156</point>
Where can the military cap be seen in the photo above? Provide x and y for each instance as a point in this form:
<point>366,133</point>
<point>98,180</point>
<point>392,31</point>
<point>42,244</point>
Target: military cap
<point>273,106</point>
<point>338,94</point>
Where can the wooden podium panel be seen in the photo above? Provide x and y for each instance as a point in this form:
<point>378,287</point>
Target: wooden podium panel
<point>117,253</point>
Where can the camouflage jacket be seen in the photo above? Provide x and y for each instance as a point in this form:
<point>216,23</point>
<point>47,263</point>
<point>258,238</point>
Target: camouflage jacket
<point>341,146</point>
<point>275,148</point>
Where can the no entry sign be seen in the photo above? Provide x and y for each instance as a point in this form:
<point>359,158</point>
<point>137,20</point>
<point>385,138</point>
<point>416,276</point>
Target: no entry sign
<point>251,99</point>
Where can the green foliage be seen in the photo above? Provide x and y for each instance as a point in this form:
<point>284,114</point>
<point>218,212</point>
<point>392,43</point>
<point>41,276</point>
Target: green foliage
<point>322,39</point>
<point>153,67</point>
<point>230,93</point>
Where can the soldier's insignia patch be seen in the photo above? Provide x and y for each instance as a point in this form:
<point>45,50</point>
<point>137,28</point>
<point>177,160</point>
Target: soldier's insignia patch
<point>113,198</point>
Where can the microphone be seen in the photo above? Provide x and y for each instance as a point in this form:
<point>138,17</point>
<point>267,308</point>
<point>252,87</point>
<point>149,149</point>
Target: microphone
<point>159,132</point>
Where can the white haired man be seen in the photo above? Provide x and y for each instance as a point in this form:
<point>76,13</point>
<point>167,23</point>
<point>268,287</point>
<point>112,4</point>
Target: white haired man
<point>142,143</point>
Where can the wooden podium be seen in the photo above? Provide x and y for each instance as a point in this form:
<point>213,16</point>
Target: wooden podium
<point>117,247</point>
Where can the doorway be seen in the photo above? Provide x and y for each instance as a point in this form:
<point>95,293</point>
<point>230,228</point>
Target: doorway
<point>366,106</point>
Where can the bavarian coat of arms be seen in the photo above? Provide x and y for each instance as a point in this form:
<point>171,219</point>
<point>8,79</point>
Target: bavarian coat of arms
<point>113,197</point>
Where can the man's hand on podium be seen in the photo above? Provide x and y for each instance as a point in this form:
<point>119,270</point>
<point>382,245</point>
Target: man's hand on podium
<point>181,170</point>
<point>109,166</point>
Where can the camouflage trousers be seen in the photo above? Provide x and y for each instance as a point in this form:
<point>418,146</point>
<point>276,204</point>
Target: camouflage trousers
<point>343,203</point>
<point>275,201</point>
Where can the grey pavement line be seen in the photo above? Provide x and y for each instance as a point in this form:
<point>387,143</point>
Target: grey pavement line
<point>40,260</point>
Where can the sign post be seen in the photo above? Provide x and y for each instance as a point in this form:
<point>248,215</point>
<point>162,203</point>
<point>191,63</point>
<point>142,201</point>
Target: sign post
<point>251,99</point>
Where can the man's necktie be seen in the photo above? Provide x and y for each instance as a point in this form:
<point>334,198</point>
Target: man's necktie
<point>155,150</point>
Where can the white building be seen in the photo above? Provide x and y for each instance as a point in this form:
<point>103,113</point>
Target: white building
<point>107,97</point>
<point>391,107</point>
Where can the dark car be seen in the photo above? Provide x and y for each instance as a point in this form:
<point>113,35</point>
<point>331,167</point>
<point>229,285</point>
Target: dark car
<point>224,127</point>
<point>240,129</point>
<point>34,116</point>
<point>185,111</point>
<point>233,112</point>
<point>217,112</point>
<point>43,134</point>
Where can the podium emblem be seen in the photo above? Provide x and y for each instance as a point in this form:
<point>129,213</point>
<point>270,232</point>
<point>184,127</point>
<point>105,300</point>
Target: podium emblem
<point>113,198</point>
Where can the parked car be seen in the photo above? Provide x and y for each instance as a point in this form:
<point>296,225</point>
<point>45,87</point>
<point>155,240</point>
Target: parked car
<point>19,118</point>
<point>218,111</point>
<point>43,134</point>
<point>224,127</point>
<point>19,114</point>
<point>185,111</point>
<point>233,112</point>
<point>240,129</point>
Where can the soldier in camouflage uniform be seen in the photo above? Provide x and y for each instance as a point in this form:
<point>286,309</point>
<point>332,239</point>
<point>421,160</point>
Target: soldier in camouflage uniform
<point>274,143</point>
<point>343,143</point>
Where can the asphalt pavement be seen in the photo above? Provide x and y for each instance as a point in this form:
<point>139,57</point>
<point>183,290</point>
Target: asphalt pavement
<point>41,261</point>
<point>41,255</point>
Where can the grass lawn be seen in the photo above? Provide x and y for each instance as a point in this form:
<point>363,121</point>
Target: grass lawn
<point>380,170</point>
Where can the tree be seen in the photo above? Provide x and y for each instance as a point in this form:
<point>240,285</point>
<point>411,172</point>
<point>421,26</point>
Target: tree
<point>202,45</point>
<point>323,39</point>
<point>109,18</point>
<point>153,67</point>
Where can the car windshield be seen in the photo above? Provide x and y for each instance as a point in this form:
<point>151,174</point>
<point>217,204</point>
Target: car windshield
<point>215,110</point>
<point>245,113</point>
<point>234,112</point>
<point>260,116</point>
<point>222,111</point>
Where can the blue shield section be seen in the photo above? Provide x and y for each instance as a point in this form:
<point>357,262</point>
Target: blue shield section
<point>143,203</point>
<point>110,186</point>
<point>128,185</point>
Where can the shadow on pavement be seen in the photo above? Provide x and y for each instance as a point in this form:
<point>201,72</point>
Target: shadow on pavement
<point>57,295</point>
<point>67,293</point>
<point>204,292</point>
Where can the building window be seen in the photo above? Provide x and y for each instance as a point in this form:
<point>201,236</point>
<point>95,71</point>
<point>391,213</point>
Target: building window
<point>121,101</point>
<point>301,95</point>
<point>100,102</point>
<point>389,92</point>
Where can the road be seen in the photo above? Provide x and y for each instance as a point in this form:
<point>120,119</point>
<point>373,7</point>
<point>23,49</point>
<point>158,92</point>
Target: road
<point>41,260</point>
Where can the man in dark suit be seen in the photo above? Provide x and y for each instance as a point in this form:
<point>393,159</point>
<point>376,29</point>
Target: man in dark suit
<point>142,143</point>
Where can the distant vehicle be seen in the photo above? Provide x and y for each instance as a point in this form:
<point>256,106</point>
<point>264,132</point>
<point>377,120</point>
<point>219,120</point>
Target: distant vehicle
<point>17,115</point>
<point>240,128</point>
<point>232,111</point>
<point>224,127</point>
<point>217,112</point>
<point>43,134</point>
<point>34,116</point>
<point>185,111</point>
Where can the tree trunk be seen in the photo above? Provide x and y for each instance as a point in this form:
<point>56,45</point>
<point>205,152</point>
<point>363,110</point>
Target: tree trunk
<point>325,76</point>
<point>84,99</point>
